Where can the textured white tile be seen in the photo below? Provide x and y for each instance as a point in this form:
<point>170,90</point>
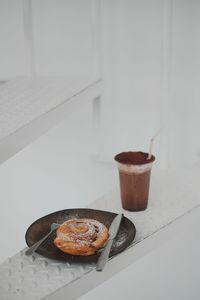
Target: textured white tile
<point>24,99</point>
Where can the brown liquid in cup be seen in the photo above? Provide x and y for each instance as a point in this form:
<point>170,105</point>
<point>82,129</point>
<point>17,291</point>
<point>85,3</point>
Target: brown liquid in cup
<point>134,190</point>
<point>134,186</point>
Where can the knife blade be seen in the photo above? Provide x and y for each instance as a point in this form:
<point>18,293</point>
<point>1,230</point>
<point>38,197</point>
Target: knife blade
<point>113,231</point>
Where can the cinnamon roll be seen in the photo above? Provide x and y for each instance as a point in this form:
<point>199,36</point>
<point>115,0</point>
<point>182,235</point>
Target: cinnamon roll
<point>81,236</point>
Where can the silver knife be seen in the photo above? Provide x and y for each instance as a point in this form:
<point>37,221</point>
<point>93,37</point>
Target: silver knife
<point>113,230</point>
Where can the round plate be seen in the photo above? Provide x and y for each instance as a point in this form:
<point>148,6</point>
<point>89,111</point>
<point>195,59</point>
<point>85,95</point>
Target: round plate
<point>41,227</point>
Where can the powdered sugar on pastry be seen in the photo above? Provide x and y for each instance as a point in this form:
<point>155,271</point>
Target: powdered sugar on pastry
<point>81,236</point>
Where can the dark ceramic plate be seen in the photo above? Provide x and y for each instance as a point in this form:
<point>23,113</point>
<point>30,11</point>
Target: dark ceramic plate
<point>41,227</point>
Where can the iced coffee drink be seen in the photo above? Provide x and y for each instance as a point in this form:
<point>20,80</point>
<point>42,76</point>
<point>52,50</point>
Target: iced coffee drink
<point>134,174</point>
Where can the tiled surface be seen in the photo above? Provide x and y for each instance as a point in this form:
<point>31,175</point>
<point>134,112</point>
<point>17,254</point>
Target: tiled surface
<point>34,277</point>
<point>24,99</point>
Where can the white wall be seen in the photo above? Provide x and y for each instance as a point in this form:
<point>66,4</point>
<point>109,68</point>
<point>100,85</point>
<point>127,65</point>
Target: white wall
<point>150,65</point>
<point>132,56</point>
<point>62,37</point>
<point>12,50</point>
<point>184,104</point>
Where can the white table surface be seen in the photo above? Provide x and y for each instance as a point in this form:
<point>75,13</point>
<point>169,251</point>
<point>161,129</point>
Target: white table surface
<point>174,208</point>
<point>170,270</point>
<point>174,195</point>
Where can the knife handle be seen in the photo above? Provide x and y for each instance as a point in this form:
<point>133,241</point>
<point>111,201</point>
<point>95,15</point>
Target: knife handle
<point>104,256</point>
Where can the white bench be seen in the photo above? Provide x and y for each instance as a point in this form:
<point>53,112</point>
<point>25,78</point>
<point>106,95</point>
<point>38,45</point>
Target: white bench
<point>29,107</point>
<point>174,199</point>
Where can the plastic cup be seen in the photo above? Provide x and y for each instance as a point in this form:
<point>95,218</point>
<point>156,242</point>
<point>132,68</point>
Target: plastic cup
<point>134,175</point>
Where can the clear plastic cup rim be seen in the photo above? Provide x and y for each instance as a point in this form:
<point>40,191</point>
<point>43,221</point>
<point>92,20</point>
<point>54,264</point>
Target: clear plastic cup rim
<point>129,168</point>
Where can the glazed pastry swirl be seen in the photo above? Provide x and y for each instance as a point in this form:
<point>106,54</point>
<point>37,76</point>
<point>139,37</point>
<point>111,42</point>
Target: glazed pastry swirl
<point>81,236</point>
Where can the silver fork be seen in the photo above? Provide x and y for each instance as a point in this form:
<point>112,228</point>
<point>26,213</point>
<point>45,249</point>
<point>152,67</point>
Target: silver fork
<point>35,246</point>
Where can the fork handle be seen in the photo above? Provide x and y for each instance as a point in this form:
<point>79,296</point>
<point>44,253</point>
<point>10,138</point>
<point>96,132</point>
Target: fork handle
<point>35,246</point>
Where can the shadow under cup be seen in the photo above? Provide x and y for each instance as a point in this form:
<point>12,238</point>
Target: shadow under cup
<point>134,175</point>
